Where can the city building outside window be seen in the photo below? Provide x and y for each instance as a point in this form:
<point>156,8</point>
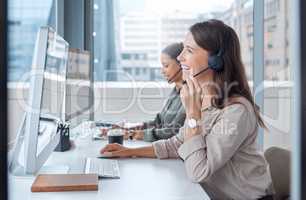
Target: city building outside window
<point>24,19</point>
<point>142,30</point>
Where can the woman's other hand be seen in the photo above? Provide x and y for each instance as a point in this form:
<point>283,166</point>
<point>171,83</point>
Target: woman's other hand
<point>116,150</point>
<point>134,134</point>
<point>191,98</point>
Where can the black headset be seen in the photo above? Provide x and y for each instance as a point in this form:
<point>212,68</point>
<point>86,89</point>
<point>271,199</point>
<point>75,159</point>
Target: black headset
<point>215,62</point>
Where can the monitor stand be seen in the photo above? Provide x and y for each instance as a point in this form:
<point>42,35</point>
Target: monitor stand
<point>16,169</point>
<point>54,169</point>
<point>48,169</point>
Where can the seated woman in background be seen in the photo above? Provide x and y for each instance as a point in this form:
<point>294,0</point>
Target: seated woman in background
<point>171,118</point>
<point>218,142</point>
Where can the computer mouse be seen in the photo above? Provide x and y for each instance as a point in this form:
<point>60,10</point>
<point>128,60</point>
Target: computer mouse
<point>106,155</point>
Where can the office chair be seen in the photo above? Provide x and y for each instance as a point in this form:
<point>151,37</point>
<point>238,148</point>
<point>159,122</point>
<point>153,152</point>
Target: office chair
<point>279,161</point>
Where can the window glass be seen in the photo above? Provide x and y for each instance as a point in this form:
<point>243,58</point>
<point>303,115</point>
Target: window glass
<point>130,37</point>
<point>278,101</point>
<point>24,19</point>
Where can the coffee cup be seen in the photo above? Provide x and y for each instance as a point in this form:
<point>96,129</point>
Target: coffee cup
<point>115,136</point>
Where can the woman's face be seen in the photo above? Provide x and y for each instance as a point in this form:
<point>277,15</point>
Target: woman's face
<point>169,67</point>
<point>193,58</point>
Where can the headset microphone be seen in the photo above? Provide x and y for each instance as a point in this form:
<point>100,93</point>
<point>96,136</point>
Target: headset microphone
<point>172,78</point>
<point>200,72</point>
<point>215,63</point>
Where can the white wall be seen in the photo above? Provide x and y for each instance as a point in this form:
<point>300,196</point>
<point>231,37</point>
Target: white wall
<point>133,103</point>
<point>139,102</point>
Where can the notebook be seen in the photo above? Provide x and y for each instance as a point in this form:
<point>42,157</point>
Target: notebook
<point>65,182</point>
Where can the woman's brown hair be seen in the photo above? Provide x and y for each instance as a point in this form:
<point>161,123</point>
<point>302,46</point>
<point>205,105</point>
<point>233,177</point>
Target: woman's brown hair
<point>214,36</point>
<point>173,50</point>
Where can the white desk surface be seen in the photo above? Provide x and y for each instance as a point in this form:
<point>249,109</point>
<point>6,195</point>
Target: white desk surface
<point>141,178</point>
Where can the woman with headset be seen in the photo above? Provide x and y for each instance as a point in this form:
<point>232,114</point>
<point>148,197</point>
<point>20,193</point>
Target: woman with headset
<point>218,141</point>
<point>171,118</point>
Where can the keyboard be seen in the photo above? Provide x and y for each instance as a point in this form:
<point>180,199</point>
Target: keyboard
<point>105,168</point>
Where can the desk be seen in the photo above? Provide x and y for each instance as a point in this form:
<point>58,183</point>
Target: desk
<point>141,178</point>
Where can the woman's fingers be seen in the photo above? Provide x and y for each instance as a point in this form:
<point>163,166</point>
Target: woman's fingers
<point>105,149</point>
<point>121,153</point>
<point>126,134</point>
<point>139,135</point>
<point>198,92</point>
<point>131,134</point>
<point>115,150</point>
<point>190,86</point>
<point>184,92</point>
<point>196,85</point>
<point>110,148</point>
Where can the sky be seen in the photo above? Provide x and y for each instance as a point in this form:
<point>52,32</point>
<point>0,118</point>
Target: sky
<point>164,6</point>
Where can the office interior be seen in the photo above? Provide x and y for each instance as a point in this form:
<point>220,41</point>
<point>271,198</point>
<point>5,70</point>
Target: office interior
<point>118,73</point>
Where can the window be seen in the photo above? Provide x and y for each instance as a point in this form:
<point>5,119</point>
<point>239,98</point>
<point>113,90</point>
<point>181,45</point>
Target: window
<point>24,19</point>
<point>137,71</point>
<point>276,40</point>
<point>125,56</point>
<point>278,101</point>
<point>133,33</point>
<point>240,17</point>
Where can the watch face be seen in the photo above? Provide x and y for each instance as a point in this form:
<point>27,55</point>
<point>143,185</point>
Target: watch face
<point>192,123</point>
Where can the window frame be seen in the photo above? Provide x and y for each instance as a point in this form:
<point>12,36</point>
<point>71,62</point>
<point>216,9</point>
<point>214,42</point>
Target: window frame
<point>3,100</point>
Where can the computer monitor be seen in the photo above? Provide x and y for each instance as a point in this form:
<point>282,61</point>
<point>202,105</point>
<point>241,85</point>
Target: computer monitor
<point>78,87</point>
<point>38,134</point>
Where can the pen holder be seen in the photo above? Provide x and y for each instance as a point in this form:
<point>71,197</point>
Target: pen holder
<point>64,143</point>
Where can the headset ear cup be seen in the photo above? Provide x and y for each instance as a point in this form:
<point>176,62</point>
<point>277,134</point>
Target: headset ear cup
<point>215,63</point>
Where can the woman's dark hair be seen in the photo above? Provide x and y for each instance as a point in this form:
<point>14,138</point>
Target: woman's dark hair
<point>213,35</point>
<point>173,50</point>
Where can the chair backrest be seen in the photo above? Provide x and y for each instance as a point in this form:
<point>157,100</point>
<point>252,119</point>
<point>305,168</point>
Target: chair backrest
<point>279,162</point>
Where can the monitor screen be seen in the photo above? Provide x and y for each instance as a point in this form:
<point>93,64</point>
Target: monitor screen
<point>52,106</point>
<point>54,80</point>
<point>78,90</point>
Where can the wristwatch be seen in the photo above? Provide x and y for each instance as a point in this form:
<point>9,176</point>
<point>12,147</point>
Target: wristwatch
<point>193,123</point>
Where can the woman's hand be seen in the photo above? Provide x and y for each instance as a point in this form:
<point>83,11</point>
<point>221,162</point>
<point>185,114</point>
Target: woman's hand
<point>191,98</point>
<point>134,134</point>
<point>116,150</point>
<point>138,134</point>
<point>127,134</point>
